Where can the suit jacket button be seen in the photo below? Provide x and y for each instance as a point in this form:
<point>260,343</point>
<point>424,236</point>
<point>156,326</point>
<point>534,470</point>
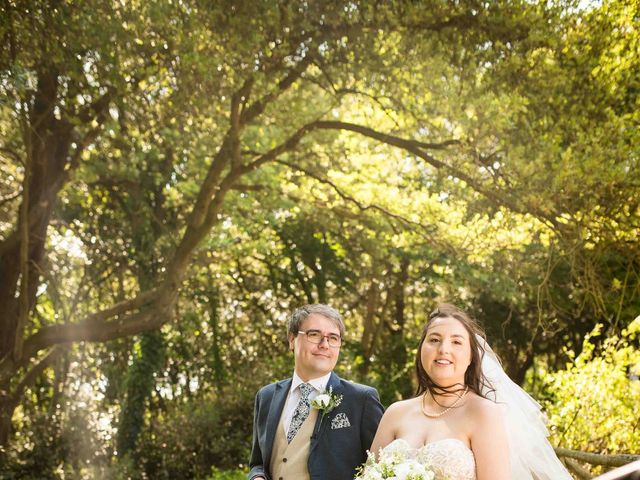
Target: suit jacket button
<point>284,460</point>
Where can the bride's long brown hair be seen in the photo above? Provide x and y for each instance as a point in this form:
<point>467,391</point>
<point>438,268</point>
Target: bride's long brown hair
<point>473,377</point>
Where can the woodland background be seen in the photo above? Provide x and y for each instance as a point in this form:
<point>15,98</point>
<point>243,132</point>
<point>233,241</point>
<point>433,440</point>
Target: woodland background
<point>179,175</point>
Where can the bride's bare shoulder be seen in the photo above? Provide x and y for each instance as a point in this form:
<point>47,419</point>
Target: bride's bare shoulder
<point>403,406</point>
<point>484,410</point>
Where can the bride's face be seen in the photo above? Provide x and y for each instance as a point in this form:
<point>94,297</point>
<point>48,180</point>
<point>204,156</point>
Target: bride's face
<point>446,351</point>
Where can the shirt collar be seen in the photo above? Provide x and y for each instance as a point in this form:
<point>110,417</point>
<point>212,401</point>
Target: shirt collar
<point>320,383</point>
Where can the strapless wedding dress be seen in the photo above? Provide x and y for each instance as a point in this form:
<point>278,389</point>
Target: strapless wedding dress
<point>449,458</point>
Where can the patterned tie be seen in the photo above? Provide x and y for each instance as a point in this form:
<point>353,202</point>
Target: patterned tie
<point>301,412</point>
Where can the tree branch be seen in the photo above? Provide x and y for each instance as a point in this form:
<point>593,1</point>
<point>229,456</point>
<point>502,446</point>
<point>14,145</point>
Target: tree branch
<point>23,228</point>
<point>28,379</point>
<point>350,199</point>
<point>258,106</point>
<point>596,458</point>
<point>104,325</point>
<point>577,469</point>
<point>238,101</point>
<point>12,153</point>
<point>96,108</point>
<point>9,197</point>
<point>498,198</point>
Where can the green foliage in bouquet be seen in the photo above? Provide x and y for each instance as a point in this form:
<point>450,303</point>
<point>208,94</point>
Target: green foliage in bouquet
<point>398,461</point>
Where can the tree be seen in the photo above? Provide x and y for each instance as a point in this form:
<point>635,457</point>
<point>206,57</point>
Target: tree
<point>70,89</point>
<point>151,132</point>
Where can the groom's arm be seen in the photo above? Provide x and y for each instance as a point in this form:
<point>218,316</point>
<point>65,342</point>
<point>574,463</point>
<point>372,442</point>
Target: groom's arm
<point>371,415</point>
<point>256,463</point>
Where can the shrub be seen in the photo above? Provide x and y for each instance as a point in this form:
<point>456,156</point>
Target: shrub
<point>592,405</point>
<point>190,438</point>
<point>217,474</point>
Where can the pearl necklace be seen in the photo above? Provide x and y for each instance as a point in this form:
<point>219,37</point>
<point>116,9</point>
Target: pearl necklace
<point>436,415</point>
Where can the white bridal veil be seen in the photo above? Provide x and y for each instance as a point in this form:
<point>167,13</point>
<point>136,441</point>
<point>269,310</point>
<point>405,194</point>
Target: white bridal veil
<point>532,456</point>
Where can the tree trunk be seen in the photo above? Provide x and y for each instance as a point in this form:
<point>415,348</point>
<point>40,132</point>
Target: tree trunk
<point>398,347</point>
<point>140,385</point>
<point>218,365</point>
<point>48,141</point>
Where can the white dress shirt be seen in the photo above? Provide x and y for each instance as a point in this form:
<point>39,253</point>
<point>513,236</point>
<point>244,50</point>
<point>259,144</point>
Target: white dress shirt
<point>319,386</point>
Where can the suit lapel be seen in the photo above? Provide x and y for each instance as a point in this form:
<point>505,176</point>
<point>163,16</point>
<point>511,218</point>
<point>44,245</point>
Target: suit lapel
<point>321,423</point>
<point>275,412</point>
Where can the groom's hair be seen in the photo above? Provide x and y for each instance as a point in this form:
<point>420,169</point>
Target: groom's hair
<point>301,313</point>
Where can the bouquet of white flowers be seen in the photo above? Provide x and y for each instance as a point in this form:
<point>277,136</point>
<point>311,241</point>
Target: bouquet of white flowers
<point>395,463</point>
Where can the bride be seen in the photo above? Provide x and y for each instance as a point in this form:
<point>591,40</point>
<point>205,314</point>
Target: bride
<point>469,421</point>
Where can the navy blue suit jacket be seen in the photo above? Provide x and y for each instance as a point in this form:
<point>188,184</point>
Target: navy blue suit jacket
<point>334,453</point>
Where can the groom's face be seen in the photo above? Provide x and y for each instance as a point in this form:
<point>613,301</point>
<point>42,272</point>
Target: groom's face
<point>313,360</point>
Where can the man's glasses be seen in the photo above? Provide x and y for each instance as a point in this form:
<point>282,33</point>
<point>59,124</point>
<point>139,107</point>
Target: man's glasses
<point>315,336</point>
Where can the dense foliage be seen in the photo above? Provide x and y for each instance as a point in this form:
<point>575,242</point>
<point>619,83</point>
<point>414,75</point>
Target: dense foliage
<point>592,405</point>
<point>178,176</point>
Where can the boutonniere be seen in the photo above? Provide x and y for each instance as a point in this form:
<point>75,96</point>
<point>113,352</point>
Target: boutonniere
<point>326,402</point>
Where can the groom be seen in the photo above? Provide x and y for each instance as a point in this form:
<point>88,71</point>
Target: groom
<point>294,437</point>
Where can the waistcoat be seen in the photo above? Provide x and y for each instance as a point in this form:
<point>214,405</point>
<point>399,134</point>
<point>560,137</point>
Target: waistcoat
<point>289,460</point>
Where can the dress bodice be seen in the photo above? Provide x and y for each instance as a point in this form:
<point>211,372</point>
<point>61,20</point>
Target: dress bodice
<point>450,458</point>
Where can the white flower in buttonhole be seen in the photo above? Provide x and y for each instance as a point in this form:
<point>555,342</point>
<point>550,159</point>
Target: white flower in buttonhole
<point>325,403</point>
<point>322,401</point>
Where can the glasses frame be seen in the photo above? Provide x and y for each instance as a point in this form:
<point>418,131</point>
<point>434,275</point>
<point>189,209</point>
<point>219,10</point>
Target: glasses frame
<point>323,337</point>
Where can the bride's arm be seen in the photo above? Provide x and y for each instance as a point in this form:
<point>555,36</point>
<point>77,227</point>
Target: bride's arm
<point>386,432</point>
<point>489,443</point>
